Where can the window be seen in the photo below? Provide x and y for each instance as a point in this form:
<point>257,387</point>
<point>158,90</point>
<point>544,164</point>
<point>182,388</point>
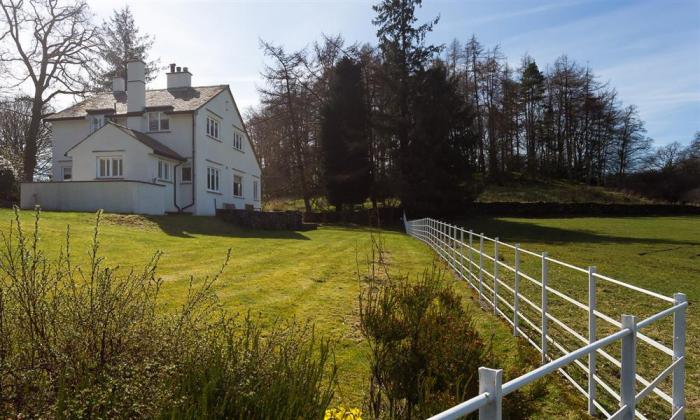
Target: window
<point>67,173</point>
<point>213,127</point>
<point>213,179</point>
<point>158,121</point>
<point>237,140</point>
<point>237,186</point>
<point>164,170</point>
<point>109,167</point>
<point>96,122</point>
<point>186,174</point>
<point>256,196</point>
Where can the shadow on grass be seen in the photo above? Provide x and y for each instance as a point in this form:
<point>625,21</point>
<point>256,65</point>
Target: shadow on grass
<point>186,226</point>
<point>515,232</point>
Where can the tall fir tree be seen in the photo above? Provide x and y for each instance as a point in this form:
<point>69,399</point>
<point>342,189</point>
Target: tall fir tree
<point>122,42</point>
<point>345,137</point>
<point>404,52</point>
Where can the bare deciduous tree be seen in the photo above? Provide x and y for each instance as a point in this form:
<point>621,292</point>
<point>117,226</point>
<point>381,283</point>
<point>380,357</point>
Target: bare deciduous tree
<point>15,120</point>
<point>50,46</point>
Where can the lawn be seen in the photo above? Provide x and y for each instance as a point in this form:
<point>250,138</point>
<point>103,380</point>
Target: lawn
<point>661,254</point>
<point>312,275</point>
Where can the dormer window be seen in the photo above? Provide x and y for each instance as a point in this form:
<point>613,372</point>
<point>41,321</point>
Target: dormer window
<point>213,127</point>
<point>96,122</point>
<point>158,121</point>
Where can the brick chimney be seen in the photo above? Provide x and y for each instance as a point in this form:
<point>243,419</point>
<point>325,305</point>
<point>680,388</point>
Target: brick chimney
<point>179,77</point>
<point>118,85</point>
<point>136,93</point>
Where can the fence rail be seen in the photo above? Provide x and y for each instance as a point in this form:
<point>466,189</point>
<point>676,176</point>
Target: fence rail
<point>469,261</point>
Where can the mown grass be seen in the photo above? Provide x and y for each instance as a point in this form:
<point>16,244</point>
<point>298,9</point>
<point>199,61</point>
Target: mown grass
<point>312,275</point>
<point>661,254</point>
<point>276,275</point>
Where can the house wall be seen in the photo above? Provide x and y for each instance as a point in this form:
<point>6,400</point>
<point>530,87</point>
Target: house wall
<point>178,138</point>
<point>220,154</point>
<point>112,196</point>
<point>64,135</point>
<point>138,164</point>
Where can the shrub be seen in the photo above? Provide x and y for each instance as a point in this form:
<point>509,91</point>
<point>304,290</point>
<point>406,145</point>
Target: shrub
<point>424,348</point>
<point>96,343</point>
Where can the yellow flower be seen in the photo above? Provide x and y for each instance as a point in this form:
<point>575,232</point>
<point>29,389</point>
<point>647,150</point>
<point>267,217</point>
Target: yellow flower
<point>343,413</point>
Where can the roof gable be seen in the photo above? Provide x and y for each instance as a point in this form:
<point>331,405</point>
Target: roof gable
<point>157,147</point>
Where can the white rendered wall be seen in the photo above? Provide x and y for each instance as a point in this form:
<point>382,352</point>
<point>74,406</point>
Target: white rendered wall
<point>111,141</point>
<point>221,154</point>
<point>111,196</point>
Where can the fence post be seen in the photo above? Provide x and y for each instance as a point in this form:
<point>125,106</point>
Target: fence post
<point>516,299</point>
<point>678,393</point>
<point>481,269</point>
<point>628,358</point>
<point>490,380</point>
<point>495,276</point>
<point>461,255</point>
<point>454,247</point>
<point>544,308</point>
<point>470,252</point>
<point>592,301</point>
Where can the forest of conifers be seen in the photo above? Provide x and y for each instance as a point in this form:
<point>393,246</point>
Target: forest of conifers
<point>430,124</point>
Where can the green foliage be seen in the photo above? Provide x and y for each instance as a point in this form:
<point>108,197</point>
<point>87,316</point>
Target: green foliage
<point>96,343</point>
<point>424,349</point>
<point>344,137</point>
<point>8,185</point>
<point>261,375</point>
<point>437,173</point>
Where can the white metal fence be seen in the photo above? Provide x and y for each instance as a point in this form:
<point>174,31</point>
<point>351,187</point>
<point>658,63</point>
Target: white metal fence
<point>509,291</point>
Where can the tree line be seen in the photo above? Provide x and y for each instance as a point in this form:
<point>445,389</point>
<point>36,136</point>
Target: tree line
<point>51,49</point>
<point>430,124</point>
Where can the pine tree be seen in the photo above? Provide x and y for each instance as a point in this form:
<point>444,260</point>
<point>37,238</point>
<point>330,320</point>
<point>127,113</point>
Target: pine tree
<point>121,43</point>
<point>344,137</point>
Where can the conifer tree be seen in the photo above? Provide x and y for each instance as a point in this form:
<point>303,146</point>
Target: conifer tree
<point>122,42</point>
<point>344,137</point>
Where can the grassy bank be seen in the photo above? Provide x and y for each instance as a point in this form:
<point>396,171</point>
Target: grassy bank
<point>312,275</point>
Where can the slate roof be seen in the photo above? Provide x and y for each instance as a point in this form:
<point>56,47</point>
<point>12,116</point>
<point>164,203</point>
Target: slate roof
<point>175,100</point>
<point>158,147</point>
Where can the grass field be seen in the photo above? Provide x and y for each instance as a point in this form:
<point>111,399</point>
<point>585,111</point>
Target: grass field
<point>661,254</point>
<point>312,275</point>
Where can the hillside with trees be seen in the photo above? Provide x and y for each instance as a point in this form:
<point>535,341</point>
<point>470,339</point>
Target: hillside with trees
<point>444,122</point>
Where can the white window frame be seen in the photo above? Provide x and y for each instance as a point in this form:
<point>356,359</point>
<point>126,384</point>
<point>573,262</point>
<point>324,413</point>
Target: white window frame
<point>96,122</point>
<point>182,178</point>
<point>256,190</point>
<point>213,179</point>
<point>213,127</point>
<point>237,140</point>
<point>165,170</point>
<point>240,185</point>
<point>110,173</point>
<point>65,169</point>
<point>161,117</point>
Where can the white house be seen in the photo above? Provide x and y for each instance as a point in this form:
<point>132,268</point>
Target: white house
<point>180,149</point>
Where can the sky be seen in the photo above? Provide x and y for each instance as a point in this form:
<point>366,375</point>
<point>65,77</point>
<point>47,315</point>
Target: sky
<point>648,50</point>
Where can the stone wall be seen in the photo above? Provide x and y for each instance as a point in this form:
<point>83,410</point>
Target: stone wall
<point>267,220</point>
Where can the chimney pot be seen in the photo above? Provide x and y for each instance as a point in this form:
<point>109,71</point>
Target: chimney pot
<point>172,68</point>
<point>178,78</point>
